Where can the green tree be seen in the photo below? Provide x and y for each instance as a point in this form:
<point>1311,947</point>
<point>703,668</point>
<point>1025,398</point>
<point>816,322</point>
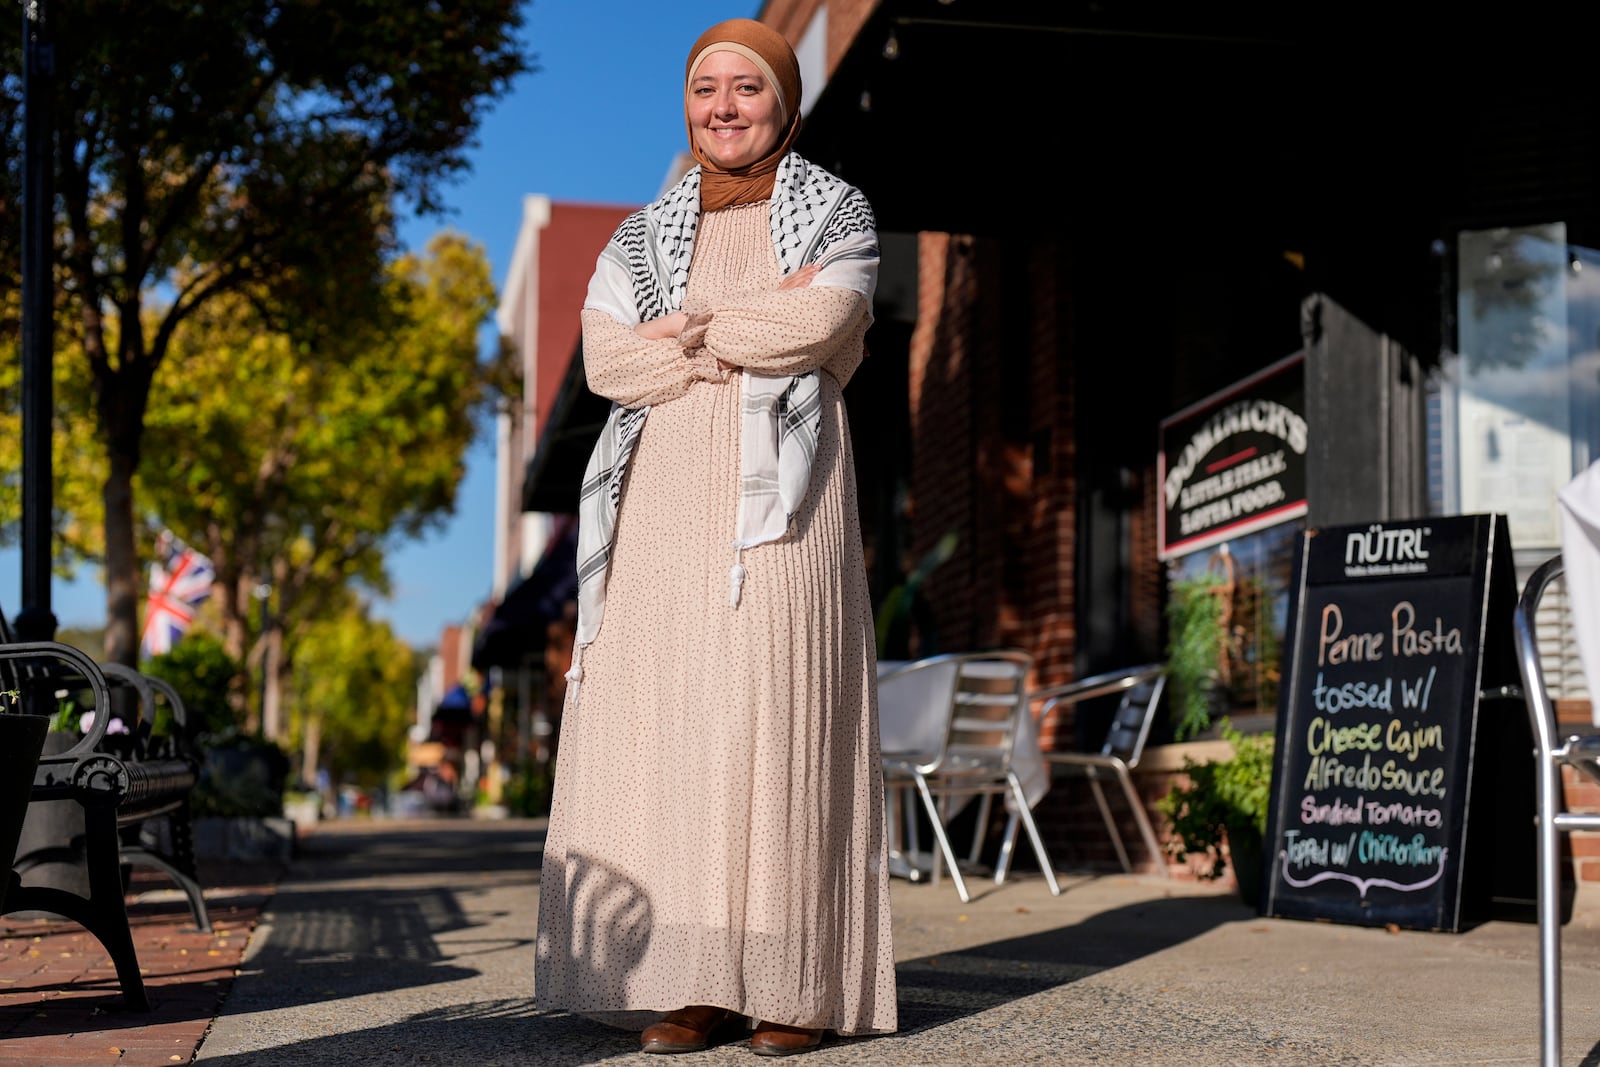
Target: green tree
<point>354,684</point>
<point>78,458</point>
<point>304,462</point>
<point>241,147</point>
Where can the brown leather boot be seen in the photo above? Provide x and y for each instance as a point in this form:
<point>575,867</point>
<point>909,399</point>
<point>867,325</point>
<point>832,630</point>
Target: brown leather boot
<point>685,1030</point>
<point>775,1039</point>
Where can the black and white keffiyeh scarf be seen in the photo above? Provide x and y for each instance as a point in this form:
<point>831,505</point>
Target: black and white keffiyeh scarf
<point>643,274</point>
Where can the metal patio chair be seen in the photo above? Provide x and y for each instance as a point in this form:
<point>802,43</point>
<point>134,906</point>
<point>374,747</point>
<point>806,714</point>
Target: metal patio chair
<point>982,708</point>
<point>1141,688</point>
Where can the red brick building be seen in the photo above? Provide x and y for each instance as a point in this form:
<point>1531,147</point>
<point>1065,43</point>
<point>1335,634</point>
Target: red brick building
<point>1096,216</point>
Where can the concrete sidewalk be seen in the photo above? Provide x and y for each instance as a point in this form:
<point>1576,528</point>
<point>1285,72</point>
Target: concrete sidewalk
<point>412,943</point>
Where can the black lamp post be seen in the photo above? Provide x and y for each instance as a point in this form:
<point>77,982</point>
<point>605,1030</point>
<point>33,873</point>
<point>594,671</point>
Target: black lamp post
<point>36,622</point>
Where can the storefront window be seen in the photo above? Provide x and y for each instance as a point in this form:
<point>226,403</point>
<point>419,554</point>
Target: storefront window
<point>1232,469</point>
<point>1517,406</point>
<point>1227,611</point>
<point>1515,412</point>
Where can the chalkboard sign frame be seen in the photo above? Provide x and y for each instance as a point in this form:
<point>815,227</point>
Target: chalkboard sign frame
<point>1396,631</point>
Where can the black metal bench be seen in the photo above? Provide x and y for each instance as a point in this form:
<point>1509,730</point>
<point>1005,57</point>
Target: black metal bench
<point>132,787</point>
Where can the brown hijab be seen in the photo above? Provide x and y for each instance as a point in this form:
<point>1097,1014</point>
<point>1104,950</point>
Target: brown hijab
<point>770,50</point>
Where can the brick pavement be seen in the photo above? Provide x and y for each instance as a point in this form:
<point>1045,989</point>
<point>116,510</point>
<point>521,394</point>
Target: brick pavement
<point>60,1002</point>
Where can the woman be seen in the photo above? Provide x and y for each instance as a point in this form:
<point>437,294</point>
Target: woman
<point>716,846</point>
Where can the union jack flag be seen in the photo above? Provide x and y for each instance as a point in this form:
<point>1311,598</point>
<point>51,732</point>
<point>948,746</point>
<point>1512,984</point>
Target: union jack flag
<point>180,578</point>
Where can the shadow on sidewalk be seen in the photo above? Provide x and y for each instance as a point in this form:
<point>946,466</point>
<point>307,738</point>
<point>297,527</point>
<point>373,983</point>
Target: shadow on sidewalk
<point>322,947</point>
<point>939,989</point>
<point>933,991</point>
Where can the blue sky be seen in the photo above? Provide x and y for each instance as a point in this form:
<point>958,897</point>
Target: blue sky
<point>598,122</point>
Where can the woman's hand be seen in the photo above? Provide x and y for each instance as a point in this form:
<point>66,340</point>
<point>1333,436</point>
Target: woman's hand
<point>800,278</point>
<point>667,326</point>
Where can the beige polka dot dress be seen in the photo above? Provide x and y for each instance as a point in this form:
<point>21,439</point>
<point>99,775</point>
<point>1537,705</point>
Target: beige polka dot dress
<point>717,830</point>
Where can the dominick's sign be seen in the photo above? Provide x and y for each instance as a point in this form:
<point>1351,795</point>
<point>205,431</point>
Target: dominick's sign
<point>1235,462</point>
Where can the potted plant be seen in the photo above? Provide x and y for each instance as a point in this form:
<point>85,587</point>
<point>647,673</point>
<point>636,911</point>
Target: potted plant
<point>1218,811</point>
<point>21,741</point>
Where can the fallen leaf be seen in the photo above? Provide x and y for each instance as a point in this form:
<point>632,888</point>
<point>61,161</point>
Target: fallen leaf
<point>1021,910</point>
<point>961,918</point>
<point>1391,928</point>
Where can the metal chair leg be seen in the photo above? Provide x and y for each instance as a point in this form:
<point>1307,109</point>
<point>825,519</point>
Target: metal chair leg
<point>944,842</point>
<point>1111,824</point>
<point>979,829</point>
<point>1026,816</point>
<point>1008,844</point>
<point>1146,831</point>
<point>913,831</point>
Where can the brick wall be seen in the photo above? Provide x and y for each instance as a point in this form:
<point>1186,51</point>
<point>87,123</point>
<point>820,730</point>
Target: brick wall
<point>991,405</point>
<point>1583,797</point>
<point>1047,540</point>
<point>941,398</point>
<point>792,17</point>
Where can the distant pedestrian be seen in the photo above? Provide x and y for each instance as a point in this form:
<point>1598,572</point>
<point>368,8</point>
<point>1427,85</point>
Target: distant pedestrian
<point>716,847</point>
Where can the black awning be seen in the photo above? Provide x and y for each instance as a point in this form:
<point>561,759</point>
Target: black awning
<point>455,707</point>
<point>1164,110</point>
<point>516,632</point>
<point>554,476</point>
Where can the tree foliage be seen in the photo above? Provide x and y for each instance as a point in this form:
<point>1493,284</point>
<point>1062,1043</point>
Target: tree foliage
<point>245,148</point>
<point>304,461</point>
<point>354,686</point>
<point>78,463</point>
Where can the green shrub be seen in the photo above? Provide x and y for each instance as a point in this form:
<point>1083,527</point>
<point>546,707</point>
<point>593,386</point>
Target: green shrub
<point>527,793</point>
<point>1221,797</point>
<point>205,676</point>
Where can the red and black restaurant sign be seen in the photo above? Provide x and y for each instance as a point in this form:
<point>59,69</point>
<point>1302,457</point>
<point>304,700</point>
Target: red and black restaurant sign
<point>1234,462</point>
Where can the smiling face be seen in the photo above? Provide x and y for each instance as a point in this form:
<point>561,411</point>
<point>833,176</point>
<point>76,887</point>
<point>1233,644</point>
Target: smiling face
<point>734,112</point>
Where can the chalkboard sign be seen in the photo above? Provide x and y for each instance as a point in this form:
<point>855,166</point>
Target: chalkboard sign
<point>1395,629</point>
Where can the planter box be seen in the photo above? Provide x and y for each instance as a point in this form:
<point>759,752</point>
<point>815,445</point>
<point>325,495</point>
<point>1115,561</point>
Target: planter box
<point>49,848</point>
<point>21,741</point>
<point>244,838</point>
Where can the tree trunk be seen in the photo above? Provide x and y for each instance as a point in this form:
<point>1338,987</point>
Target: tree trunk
<point>122,563</point>
<point>276,671</point>
<point>311,751</point>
